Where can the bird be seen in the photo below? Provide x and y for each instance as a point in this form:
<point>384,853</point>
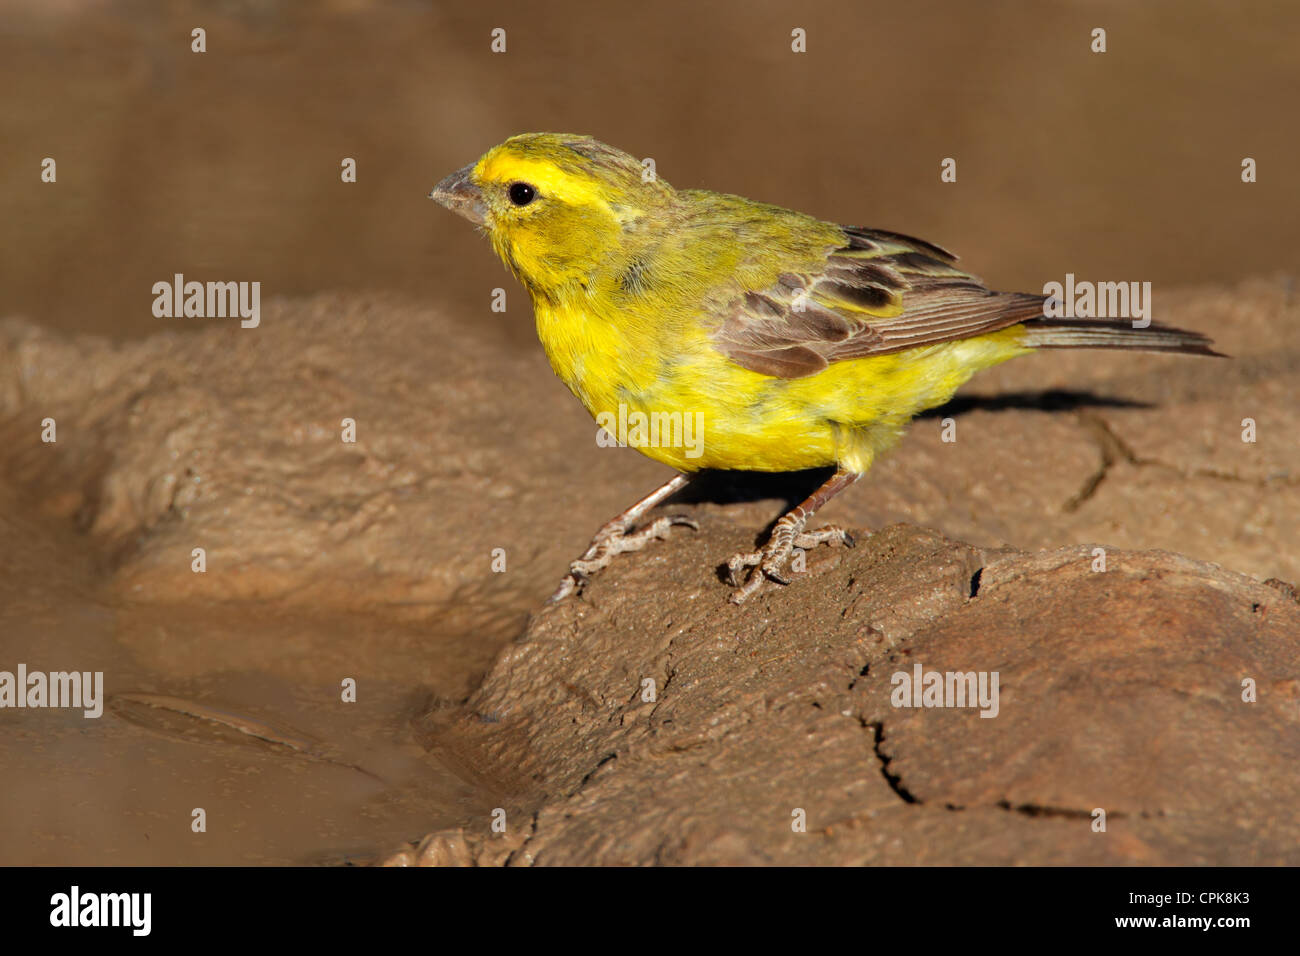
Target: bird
<point>794,342</point>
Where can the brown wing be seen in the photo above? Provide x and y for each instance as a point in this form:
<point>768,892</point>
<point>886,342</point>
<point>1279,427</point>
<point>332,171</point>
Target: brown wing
<point>880,293</point>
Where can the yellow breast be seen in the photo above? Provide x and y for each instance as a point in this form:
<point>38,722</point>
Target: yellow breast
<point>667,392</point>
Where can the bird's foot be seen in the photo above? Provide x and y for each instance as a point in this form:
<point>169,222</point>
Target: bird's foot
<point>770,561</point>
<point>615,538</point>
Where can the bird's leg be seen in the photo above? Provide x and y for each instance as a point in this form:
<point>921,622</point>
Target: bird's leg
<point>617,537</point>
<point>787,535</point>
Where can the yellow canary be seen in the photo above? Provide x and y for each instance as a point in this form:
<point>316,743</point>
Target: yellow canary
<point>795,343</point>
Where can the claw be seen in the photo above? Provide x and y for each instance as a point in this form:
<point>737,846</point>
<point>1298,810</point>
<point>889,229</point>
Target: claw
<point>617,537</point>
<point>768,563</point>
<point>567,586</point>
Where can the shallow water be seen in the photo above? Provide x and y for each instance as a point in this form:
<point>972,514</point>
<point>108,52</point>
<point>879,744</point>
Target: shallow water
<point>286,772</point>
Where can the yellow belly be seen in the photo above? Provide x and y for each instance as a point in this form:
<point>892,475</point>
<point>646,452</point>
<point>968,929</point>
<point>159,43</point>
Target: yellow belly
<point>679,401</point>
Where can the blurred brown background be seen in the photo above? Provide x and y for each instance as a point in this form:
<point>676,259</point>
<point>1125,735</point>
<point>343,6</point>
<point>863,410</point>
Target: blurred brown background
<point>225,165</point>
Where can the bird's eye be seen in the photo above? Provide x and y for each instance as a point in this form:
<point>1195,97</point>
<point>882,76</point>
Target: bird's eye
<point>521,194</point>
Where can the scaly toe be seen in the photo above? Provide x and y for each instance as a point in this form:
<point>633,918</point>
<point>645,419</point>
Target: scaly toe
<point>776,561</point>
<point>610,541</point>
<point>807,540</point>
<point>657,530</point>
<point>745,591</point>
<point>766,565</point>
<point>738,562</point>
<point>568,584</point>
<point>769,563</point>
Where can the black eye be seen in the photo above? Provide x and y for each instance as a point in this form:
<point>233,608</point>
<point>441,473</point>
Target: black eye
<point>521,194</point>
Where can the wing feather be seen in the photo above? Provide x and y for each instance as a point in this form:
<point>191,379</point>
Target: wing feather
<point>881,292</point>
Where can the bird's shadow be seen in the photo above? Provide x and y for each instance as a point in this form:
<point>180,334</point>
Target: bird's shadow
<point>1051,400</point>
<point>729,487</point>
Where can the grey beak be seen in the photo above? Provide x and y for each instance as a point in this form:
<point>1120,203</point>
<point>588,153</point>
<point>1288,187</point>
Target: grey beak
<point>459,194</point>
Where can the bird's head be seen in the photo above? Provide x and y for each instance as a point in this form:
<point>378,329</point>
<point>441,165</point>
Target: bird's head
<point>559,209</point>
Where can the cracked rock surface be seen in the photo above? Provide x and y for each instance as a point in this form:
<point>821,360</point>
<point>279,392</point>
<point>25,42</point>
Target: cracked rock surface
<point>1119,691</point>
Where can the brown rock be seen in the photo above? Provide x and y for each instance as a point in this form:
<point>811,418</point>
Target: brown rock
<point>1119,689</point>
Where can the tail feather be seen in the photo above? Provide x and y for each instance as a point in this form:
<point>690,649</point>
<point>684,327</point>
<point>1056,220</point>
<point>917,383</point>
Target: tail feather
<point>1044,333</point>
